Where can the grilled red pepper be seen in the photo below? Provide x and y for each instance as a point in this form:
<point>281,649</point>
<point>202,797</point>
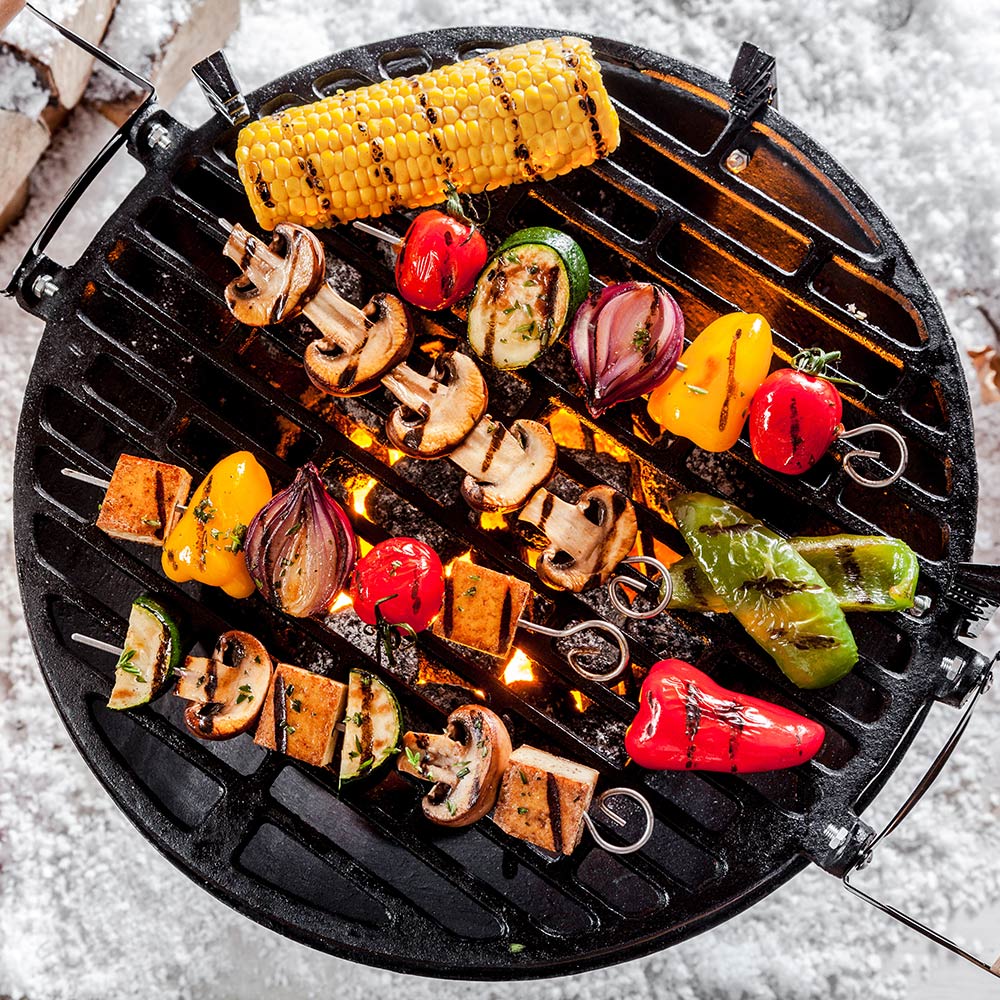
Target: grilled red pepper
<point>687,721</point>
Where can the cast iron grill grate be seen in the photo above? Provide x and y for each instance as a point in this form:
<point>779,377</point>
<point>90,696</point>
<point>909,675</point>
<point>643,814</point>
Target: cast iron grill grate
<point>140,355</point>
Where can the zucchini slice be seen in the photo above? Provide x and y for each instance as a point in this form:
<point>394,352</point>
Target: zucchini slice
<point>152,652</point>
<point>524,298</point>
<point>371,726</point>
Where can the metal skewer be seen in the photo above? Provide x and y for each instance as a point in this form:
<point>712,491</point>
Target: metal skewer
<point>104,484</point>
<point>573,656</point>
<point>380,234</point>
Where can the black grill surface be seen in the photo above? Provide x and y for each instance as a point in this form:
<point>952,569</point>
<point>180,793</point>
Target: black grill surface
<point>140,355</point>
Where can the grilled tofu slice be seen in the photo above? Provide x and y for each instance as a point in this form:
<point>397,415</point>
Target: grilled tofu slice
<point>300,714</point>
<point>141,502</point>
<point>543,799</point>
<point>481,608</point>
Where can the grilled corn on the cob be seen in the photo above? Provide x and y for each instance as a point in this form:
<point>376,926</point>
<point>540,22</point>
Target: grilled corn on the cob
<point>528,112</point>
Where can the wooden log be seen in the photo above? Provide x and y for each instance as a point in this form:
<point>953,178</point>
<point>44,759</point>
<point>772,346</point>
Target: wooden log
<point>151,40</point>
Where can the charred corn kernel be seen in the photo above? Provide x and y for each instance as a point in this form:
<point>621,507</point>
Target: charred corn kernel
<point>206,544</point>
<point>528,112</point>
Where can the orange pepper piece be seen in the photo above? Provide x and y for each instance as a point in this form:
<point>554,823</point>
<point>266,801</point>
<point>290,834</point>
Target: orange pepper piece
<point>709,401</point>
<point>207,542</point>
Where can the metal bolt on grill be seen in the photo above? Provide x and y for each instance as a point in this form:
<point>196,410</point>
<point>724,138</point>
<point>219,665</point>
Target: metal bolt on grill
<point>715,196</point>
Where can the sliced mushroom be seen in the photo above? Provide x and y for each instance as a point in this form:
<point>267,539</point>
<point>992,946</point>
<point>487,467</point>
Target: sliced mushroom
<point>504,466</point>
<point>439,411</point>
<point>586,539</point>
<point>236,705</point>
<point>465,764</point>
<point>358,346</point>
<point>277,280</point>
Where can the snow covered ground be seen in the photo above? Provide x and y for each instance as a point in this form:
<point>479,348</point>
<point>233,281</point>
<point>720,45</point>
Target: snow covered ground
<point>903,92</point>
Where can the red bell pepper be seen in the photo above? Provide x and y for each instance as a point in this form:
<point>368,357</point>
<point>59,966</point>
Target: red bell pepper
<point>687,721</point>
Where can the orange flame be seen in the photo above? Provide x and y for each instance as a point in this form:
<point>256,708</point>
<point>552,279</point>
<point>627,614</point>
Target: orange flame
<point>518,669</point>
<point>362,438</point>
<point>395,455</point>
<point>464,557</point>
<point>492,520</point>
<point>580,701</point>
<point>359,493</point>
<point>341,601</point>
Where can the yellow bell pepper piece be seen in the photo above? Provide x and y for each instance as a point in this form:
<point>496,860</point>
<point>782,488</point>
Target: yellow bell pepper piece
<point>207,542</point>
<point>709,400</point>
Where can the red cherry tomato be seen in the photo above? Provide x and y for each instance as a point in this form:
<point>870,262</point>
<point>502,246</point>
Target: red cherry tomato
<point>794,418</point>
<point>404,578</point>
<point>440,260</point>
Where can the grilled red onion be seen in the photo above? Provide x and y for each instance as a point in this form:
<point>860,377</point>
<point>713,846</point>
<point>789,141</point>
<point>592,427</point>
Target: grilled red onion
<point>300,547</point>
<point>625,341</point>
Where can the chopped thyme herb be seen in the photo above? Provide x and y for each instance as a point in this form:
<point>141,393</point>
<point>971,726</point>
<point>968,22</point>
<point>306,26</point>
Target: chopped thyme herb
<point>295,527</point>
<point>352,754</point>
<point>513,308</point>
<point>366,763</point>
<point>357,718</point>
<point>357,744</point>
<point>468,593</point>
<point>204,510</point>
<point>395,566</point>
<point>126,665</point>
<point>474,576</point>
<point>515,948</point>
<point>256,659</point>
<point>288,729</point>
<point>152,522</point>
<point>238,534</point>
<point>463,769</point>
<point>215,533</point>
<point>698,389</point>
<point>640,338</point>
<point>246,694</point>
<point>451,807</point>
<point>296,705</point>
<point>524,777</point>
<point>289,690</point>
<point>522,810</point>
<point>525,328</point>
<point>413,757</point>
<point>528,309</point>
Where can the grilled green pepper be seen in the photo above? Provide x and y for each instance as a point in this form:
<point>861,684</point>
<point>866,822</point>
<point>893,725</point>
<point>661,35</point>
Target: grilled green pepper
<point>865,573</point>
<point>775,594</point>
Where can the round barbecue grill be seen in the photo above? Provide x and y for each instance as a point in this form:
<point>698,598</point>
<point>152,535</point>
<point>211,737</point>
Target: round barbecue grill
<point>728,205</point>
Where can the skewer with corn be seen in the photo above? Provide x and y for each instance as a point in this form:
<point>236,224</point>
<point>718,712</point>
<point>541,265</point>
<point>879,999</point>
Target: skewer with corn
<point>524,113</point>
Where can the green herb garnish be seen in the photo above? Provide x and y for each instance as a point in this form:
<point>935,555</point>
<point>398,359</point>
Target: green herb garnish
<point>126,665</point>
<point>204,510</point>
<point>413,757</point>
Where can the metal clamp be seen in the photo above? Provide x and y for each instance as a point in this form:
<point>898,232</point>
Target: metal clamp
<point>606,845</point>
<point>915,796</point>
<point>44,285</point>
<point>851,456</point>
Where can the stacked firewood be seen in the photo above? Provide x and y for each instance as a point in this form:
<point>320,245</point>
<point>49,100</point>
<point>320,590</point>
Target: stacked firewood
<point>43,76</point>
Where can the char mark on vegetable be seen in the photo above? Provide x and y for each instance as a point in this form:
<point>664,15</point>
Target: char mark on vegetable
<point>776,587</point>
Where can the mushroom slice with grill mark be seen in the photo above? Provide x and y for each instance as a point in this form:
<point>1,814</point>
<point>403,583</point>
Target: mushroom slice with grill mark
<point>465,764</point>
<point>440,410</point>
<point>288,277</point>
<point>239,690</point>
<point>586,539</point>
<point>504,466</point>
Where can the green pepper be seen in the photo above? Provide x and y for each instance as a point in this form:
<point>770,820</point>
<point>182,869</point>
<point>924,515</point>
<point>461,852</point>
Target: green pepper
<point>865,573</point>
<point>780,599</point>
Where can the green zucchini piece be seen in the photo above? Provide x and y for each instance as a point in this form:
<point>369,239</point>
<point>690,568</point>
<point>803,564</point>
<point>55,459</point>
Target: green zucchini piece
<point>525,296</point>
<point>371,726</point>
<point>865,573</point>
<point>780,599</point>
<point>152,652</point>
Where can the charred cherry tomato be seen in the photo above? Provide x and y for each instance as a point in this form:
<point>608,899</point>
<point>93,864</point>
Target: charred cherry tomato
<point>441,258</point>
<point>404,579</point>
<point>794,418</point>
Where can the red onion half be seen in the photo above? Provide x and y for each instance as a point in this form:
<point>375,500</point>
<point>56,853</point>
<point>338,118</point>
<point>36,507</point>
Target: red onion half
<point>300,547</point>
<point>625,341</point>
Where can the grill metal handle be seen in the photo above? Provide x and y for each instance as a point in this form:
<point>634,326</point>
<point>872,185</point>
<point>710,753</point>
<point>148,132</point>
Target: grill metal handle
<point>36,272</point>
<point>907,807</point>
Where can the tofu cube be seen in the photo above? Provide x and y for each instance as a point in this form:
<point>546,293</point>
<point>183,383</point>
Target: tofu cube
<point>543,799</point>
<point>481,608</point>
<point>141,502</point>
<point>300,714</point>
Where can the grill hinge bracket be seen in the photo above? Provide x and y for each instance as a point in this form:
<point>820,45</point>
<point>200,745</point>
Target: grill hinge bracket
<point>219,85</point>
<point>838,844</point>
<point>754,80</point>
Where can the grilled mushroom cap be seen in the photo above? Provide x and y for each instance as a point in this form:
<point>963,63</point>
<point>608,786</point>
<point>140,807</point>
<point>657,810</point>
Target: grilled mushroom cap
<point>465,764</point>
<point>238,703</point>
<point>504,466</point>
<point>586,539</point>
<point>358,346</point>
<point>278,281</point>
<point>438,411</point>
